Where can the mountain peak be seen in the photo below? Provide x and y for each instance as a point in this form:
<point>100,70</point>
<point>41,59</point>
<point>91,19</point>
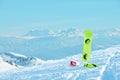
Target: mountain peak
<point>59,32</point>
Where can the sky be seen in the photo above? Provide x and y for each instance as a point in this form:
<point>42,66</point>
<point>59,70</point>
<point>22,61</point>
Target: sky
<point>20,16</point>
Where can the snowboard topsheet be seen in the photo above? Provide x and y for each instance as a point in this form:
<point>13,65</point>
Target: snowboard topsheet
<point>88,34</point>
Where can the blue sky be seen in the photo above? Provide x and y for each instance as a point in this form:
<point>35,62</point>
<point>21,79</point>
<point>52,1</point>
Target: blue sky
<point>20,16</point>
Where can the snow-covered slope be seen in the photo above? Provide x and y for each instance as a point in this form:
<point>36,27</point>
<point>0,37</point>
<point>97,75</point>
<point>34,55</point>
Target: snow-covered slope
<point>108,61</point>
<point>4,66</point>
<point>19,60</point>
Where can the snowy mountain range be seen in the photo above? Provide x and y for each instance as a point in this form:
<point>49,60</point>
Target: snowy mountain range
<point>56,44</point>
<point>42,43</point>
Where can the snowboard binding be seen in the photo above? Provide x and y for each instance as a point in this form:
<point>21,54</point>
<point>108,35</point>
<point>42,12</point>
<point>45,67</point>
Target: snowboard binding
<point>87,41</point>
<point>90,65</point>
<point>85,56</point>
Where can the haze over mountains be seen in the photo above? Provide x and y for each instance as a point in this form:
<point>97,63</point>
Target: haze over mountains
<point>56,44</point>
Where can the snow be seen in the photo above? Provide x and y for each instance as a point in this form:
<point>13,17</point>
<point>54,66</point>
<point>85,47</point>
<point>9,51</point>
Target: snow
<point>104,67</point>
<point>30,66</point>
<point>19,55</point>
<point>4,66</point>
<point>26,37</point>
<point>20,60</point>
<point>61,69</point>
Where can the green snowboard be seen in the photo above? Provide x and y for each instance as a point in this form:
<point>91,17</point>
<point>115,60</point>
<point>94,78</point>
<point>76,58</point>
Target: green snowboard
<point>87,45</point>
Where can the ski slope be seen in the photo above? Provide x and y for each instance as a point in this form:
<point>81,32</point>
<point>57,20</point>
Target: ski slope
<point>108,61</point>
